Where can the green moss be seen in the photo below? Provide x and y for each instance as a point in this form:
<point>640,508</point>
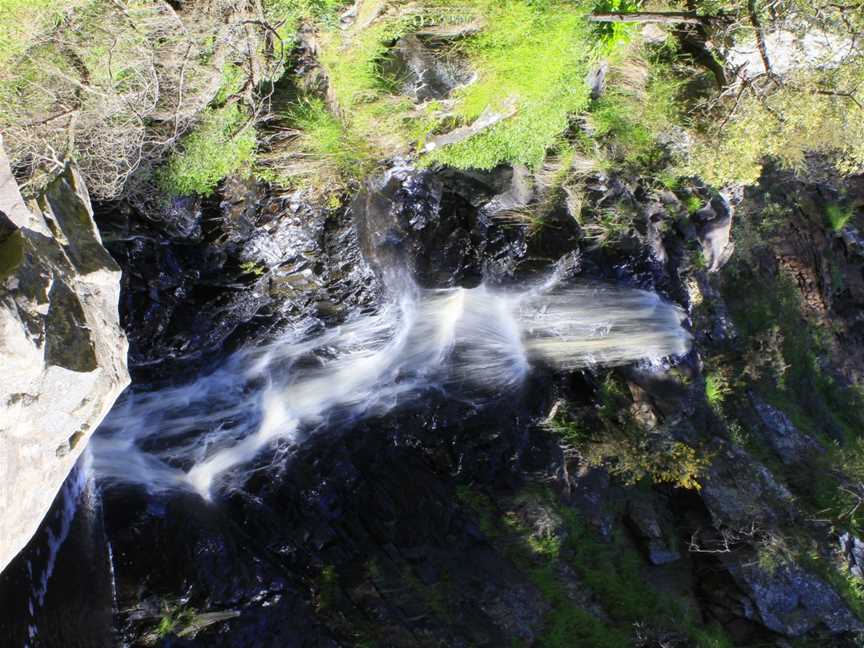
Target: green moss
<point>11,253</point>
<point>222,144</point>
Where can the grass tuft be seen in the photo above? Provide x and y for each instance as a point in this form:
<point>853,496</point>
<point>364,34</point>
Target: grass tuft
<point>837,216</point>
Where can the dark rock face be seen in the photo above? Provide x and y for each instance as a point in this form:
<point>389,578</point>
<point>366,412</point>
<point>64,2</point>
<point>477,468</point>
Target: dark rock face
<point>230,273</point>
<point>652,531</point>
<point>365,533</point>
<point>440,226</point>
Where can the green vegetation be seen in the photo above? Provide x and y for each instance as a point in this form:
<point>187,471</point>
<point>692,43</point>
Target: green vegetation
<point>327,587</point>
<point>223,143</point>
<point>716,388</point>
<point>611,572</point>
<point>174,620</point>
<point>786,366</point>
<point>837,216</point>
<point>626,448</point>
<point>693,203</point>
<point>287,15</point>
<point>813,108</point>
<point>532,57</point>
<point>323,155</point>
<point>639,108</point>
<point>22,21</point>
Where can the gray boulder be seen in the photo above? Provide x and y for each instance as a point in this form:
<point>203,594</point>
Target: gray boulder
<point>61,347</point>
<point>714,226</point>
<point>792,601</point>
<point>739,490</point>
<point>790,444</point>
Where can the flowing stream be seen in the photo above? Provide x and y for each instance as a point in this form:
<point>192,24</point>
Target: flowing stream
<point>470,343</point>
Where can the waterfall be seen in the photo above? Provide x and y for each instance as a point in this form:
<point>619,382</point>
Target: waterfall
<point>200,435</point>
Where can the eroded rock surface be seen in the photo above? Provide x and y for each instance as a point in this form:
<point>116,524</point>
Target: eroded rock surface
<point>63,352</point>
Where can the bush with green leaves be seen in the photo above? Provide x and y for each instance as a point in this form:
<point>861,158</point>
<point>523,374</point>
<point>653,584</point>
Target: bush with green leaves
<point>223,143</point>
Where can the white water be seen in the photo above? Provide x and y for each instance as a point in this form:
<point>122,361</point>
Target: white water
<point>202,435</point>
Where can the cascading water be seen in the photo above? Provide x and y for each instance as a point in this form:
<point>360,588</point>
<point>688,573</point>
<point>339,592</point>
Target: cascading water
<point>200,435</point>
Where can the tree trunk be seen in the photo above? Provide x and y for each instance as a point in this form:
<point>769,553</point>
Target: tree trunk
<point>669,17</point>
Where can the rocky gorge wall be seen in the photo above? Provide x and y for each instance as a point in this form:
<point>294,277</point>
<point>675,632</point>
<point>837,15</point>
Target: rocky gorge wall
<point>63,351</point>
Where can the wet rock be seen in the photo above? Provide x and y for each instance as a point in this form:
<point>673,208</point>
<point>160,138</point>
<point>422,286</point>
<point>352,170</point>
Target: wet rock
<point>62,350</point>
<point>426,73</point>
<point>260,265</point>
<point>791,601</point>
<point>437,225</point>
<point>791,445</point>
<point>853,240</point>
<point>596,79</point>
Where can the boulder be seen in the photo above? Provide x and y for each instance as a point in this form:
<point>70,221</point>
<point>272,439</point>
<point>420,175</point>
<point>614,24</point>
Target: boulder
<point>655,534</point>
<point>790,444</point>
<point>791,601</point>
<point>62,348</point>
<point>739,490</point>
<point>714,226</point>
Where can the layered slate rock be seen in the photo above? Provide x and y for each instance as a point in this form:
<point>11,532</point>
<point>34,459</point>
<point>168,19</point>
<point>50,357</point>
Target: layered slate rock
<point>62,350</point>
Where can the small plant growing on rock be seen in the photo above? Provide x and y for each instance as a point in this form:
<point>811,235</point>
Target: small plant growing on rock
<point>837,216</point>
<point>716,389</point>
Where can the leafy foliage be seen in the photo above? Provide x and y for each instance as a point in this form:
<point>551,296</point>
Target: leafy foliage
<point>814,106</point>
<point>223,143</point>
<point>837,216</point>
<point>628,450</point>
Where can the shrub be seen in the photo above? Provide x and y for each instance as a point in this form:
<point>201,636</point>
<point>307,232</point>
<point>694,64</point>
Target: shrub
<point>222,143</point>
<point>626,449</point>
<point>786,125</point>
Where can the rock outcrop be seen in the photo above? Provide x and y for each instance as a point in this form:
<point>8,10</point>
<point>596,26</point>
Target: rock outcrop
<point>63,352</point>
